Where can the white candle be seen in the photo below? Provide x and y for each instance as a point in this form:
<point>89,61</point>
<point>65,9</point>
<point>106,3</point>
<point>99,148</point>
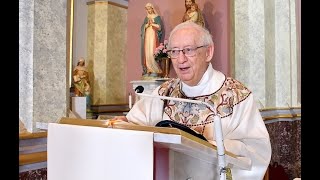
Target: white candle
<point>130,101</point>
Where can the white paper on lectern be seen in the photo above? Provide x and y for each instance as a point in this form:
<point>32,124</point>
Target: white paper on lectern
<point>87,153</point>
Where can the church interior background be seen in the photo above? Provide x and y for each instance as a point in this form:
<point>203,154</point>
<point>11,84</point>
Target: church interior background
<point>258,43</point>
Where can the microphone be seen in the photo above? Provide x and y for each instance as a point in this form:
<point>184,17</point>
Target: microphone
<point>217,127</point>
<point>139,89</point>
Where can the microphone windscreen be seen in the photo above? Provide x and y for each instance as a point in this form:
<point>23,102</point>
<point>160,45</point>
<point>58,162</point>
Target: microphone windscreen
<point>139,89</point>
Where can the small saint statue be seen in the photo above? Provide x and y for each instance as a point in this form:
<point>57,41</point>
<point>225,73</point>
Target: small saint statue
<point>81,81</point>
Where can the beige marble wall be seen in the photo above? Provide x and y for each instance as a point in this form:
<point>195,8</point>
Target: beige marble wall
<point>106,52</point>
<point>43,87</point>
<point>97,49</point>
<point>117,45</point>
<point>266,50</point>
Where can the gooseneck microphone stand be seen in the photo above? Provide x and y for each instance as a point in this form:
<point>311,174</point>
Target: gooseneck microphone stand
<point>217,128</point>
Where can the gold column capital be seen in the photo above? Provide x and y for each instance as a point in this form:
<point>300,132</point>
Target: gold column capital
<point>97,1</point>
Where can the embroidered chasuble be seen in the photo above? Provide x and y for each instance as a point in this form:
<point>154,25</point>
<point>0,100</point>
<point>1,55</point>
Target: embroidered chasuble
<point>243,129</point>
<point>197,116</point>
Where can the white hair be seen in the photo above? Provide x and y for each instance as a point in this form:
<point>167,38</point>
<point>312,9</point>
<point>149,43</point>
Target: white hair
<point>205,36</point>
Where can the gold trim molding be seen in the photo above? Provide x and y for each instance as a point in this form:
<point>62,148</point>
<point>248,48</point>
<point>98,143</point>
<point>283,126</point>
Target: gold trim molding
<point>70,9</point>
<point>287,116</point>
<point>277,115</point>
<point>107,2</point>
<point>97,2</point>
<point>32,158</point>
<point>278,108</point>
<point>35,135</point>
<point>119,5</point>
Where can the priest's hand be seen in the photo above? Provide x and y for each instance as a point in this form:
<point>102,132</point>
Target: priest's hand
<point>122,118</point>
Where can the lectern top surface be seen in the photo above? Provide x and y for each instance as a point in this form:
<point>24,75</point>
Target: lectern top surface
<point>129,126</point>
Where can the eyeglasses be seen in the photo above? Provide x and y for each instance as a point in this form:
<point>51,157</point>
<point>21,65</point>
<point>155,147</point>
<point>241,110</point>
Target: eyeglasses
<point>189,52</point>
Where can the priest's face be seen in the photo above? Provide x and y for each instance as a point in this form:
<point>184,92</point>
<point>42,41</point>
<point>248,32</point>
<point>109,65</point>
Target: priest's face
<point>190,67</point>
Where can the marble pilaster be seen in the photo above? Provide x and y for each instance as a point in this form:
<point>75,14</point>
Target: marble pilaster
<point>294,53</point>
<point>43,89</point>
<point>266,51</point>
<point>282,53</point>
<point>250,46</point>
<point>106,52</point>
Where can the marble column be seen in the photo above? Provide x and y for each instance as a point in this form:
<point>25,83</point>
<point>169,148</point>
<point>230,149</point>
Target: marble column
<point>43,82</point>
<point>106,52</point>
<point>266,50</point>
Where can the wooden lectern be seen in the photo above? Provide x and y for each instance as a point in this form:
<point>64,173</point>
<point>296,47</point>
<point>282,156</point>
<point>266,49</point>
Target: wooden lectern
<point>82,149</point>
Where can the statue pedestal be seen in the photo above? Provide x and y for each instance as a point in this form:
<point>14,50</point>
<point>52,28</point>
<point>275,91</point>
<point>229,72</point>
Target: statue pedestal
<point>79,107</point>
